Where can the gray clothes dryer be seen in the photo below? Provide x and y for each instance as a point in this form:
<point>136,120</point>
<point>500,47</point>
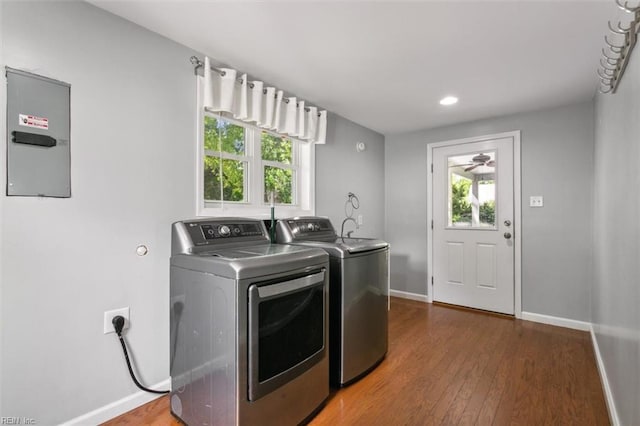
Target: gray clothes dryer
<point>248,325</point>
<point>358,294</point>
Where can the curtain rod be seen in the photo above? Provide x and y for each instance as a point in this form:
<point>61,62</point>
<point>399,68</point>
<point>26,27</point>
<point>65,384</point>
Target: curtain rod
<point>199,64</point>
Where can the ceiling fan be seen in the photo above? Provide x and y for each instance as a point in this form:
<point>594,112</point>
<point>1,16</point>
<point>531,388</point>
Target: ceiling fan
<point>477,161</point>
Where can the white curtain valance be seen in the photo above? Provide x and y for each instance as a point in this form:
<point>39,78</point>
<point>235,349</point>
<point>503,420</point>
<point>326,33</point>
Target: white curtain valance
<point>267,107</point>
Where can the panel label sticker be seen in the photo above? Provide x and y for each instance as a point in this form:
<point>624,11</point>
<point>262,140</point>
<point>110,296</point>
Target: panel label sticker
<point>33,121</point>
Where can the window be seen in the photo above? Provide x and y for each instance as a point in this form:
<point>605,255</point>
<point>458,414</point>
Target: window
<point>243,168</point>
<point>225,162</point>
<point>472,191</point>
<point>278,169</point>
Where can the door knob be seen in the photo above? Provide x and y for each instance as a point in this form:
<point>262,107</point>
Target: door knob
<point>507,223</point>
<point>507,235</point>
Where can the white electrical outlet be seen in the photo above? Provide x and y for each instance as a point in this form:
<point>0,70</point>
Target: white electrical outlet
<point>109,315</point>
<point>536,201</point>
<point>360,220</point>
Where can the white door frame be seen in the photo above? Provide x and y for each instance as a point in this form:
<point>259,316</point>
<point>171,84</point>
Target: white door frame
<point>517,201</point>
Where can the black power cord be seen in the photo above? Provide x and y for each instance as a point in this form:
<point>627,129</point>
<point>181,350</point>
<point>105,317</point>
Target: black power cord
<point>118,325</point>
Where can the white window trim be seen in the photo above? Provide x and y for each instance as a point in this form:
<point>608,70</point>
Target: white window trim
<point>304,172</point>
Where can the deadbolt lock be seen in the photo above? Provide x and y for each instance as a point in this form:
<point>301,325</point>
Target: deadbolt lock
<point>507,223</point>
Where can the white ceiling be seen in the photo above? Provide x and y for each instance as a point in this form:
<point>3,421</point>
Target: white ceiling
<point>386,64</point>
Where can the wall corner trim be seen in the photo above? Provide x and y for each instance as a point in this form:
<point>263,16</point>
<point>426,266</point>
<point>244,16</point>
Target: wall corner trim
<point>116,408</point>
<point>410,296</point>
<point>608,396</point>
<point>558,321</point>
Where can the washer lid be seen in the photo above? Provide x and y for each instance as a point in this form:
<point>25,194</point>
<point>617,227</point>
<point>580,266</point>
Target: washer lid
<point>339,247</point>
<point>358,245</point>
<point>314,231</point>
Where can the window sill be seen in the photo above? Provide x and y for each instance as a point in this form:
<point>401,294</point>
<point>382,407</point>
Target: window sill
<point>253,212</point>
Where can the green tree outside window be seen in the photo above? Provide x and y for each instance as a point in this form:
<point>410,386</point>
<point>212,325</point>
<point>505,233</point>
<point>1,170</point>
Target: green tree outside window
<point>277,180</point>
<point>460,206</point>
<point>461,210</point>
<point>223,178</point>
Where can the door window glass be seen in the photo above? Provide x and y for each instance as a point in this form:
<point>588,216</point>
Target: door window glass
<point>472,190</point>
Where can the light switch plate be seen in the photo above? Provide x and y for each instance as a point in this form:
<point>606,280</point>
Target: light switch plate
<point>536,201</point>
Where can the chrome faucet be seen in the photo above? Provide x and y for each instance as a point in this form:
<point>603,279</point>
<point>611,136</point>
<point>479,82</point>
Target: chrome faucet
<point>342,227</point>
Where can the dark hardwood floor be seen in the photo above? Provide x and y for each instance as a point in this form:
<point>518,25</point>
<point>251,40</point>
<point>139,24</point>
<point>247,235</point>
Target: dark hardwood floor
<point>454,367</point>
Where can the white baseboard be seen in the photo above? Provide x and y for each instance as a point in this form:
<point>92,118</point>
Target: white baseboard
<point>560,322</point>
<point>116,408</point>
<point>608,396</point>
<point>407,295</point>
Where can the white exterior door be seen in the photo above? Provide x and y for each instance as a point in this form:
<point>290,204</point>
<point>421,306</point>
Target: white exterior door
<point>473,230</point>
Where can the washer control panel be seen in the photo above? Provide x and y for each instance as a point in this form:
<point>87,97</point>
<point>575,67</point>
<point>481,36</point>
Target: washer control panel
<point>310,226</point>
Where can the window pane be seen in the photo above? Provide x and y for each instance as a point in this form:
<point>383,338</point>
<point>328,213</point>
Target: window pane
<point>472,190</point>
<point>275,148</point>
<point>220,135</point>
<point>233,177</point>
<point>280,182</point>
<point>487,201</point>
<point>459,205</point>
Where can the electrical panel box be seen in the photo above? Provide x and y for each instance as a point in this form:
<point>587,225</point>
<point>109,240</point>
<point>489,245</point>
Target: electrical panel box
<point>38,127</point>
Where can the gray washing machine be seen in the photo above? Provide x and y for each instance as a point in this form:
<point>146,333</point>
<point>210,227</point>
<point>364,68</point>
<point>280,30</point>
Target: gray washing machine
<point>358,294</point>
<point>249,322</point>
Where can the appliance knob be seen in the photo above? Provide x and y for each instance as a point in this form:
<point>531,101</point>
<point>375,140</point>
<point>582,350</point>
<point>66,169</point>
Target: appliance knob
<point>310,227</point>
<point>224,231</point>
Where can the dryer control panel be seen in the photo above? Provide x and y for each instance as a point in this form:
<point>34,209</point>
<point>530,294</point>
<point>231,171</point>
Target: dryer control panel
<point>229,230</point>
<point>204,234</point>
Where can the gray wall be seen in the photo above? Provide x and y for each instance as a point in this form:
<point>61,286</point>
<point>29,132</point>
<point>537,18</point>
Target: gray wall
<point>133,139</point>
<point>340,169</point>
<point>3,96</point>
<point>132,151</point>
<point>557,163</point>
<point>615,305</point>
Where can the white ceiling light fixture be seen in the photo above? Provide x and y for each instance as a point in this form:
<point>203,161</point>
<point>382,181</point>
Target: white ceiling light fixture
<point>448,100</point>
